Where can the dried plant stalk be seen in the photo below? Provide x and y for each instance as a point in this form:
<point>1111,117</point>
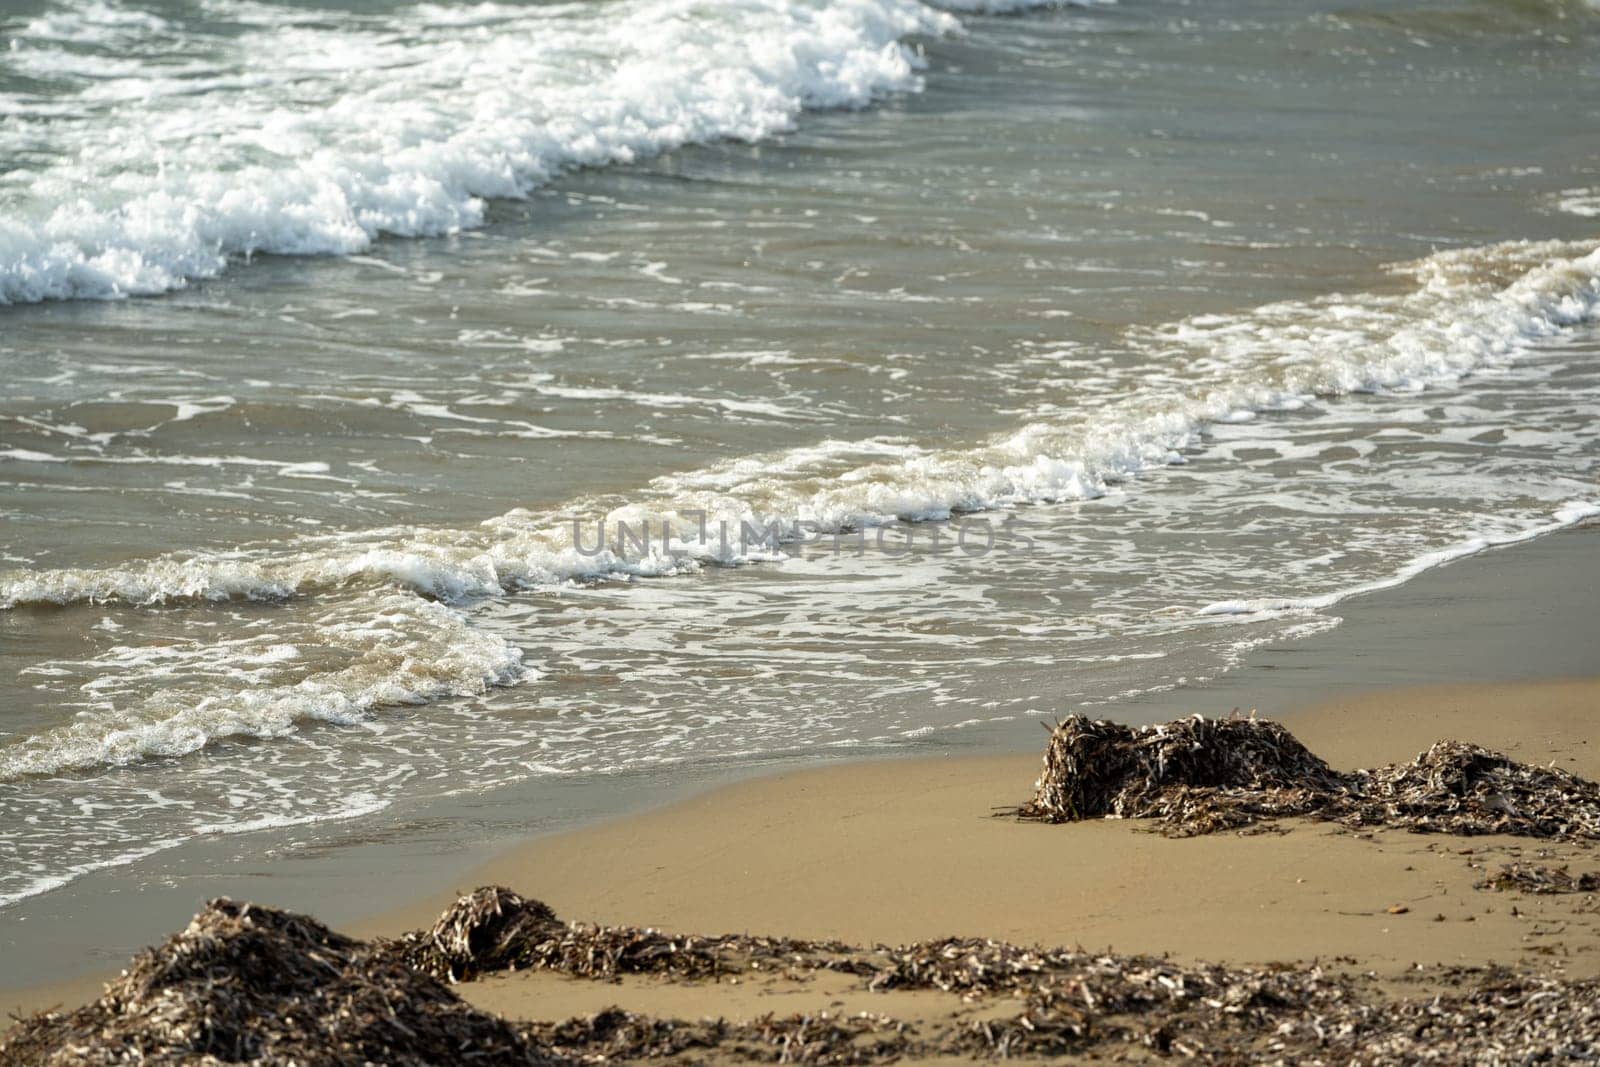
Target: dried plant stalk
<point>248,984</point>
<point>1542,880</point>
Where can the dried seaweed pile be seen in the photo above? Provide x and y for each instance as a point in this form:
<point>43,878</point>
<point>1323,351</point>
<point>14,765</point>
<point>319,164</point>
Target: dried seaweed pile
<point>1456,788</point>
<point>1132,1007</point>
<point>1198,776</point>
<point>493,929</point>
<point>1542,880</point>
<point>1063,989</point>
<point>1501,1018</point>
<point>1076,1000</point>
<point>251,984</point>
<point>487,930</point>
<point>1103,982</point>
<point>822,1039</point>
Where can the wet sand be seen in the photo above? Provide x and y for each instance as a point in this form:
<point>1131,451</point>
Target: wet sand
<point>896,850</point>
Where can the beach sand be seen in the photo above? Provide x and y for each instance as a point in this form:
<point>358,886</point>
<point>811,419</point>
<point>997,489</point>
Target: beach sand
<point>897,851</point>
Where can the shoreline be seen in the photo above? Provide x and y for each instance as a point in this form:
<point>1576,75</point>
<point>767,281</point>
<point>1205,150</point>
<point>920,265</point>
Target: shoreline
<point>895,854</point>
<point>904,853</point>
<point>891,852</point>
<point>1517,612</point>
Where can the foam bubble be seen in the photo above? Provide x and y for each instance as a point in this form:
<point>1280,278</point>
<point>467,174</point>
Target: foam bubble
<point>1584,203</point>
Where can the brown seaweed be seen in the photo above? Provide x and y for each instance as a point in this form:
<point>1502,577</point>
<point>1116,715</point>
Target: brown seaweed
<point>248,984</point>
<point>1456,788</point>
<point>494,929</point>
<point>1198,776</point>
<point>485,930</point>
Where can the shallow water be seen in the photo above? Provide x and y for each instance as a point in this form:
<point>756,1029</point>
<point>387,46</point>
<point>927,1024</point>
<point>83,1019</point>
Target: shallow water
<point>1069,353</point>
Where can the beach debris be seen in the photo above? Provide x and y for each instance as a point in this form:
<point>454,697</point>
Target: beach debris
<point>483,931</point>
<point>494,929</point>
<point>616,1035</point>
<point>1501,1017</point>
<point>250,984</point>
<point>1198,776</point>
<point>1456,788</point>
<point>1540,879</point>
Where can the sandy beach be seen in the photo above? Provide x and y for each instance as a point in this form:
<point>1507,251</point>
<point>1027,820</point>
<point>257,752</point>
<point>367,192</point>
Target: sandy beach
<point>897,852</point>
<point>891,852</point>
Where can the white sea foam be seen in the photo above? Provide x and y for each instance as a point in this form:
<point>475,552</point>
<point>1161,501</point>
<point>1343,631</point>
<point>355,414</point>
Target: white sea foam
<point>1582,202</point>
<point>1466,310</point>
<point>401,650</point>
<point>315,134</point>
<point>1006,7</point>
<point>1568,514</point>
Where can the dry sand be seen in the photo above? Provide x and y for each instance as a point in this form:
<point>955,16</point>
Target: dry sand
<point>896,851</point>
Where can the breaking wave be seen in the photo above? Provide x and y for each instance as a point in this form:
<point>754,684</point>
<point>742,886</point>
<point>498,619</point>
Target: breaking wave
<point>375,652</point>
<point>267,129</point>
<point>1464,310</point>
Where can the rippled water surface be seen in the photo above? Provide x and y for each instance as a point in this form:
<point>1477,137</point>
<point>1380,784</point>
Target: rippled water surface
<point>1067,352</point>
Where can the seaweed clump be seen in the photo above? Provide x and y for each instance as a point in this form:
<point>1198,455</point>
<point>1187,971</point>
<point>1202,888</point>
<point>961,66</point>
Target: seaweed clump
<point>494,929</point>
<point>617,1035</point>
<point>1456,788</point>
<point>489,929</point>
<point>249,984</point>
<point>1198,776</point>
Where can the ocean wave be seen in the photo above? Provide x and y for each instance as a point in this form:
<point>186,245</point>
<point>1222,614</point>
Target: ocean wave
<point>1464,310</point>
<point>1472,18</point>
<point>281,131</point>
<point>172,699</point>
<point>399,602</point>
<point>1009,7</point>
